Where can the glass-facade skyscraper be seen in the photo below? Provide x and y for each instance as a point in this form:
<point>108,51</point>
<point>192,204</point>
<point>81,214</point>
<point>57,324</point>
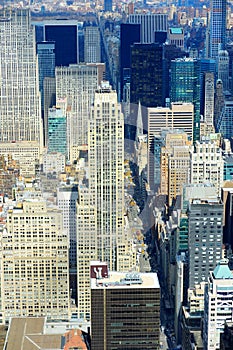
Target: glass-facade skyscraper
<point>56,131</point>
<point>217,27</point>
<point>185,87</point>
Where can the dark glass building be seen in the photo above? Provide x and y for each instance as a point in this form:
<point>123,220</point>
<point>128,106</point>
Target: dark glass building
<point>146,83</point>
<point>66,42</point>
<point>108,5</point>
<point>125,312</point>
<point>130,34</point>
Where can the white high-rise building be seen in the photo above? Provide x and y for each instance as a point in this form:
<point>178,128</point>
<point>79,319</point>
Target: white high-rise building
<point>209,99</point>
<point>207,164</point>
<point>20,109</point>
<point>92,47</point>
<point>218,304</point>
<point>100,208</point>
<point>77,84</point>
<point>106,171</point>
<point>34,263</point>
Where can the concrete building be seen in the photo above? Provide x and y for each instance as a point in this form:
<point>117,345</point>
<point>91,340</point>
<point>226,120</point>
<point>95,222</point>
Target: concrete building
<point>100,209</point>
<point>205,227</point>
<point>223,68</point>
<point>207,164</point>
<point>209,99</point>
<point>224,123</point>
<point>92,48</point>
<point>179,116</point>
<point>149,24</point>
<point>218,304</point>
<point>77,84</point>
<point>20,111</point>
<point>125,309</point>
<point>176,37</point>
<point>53,163</point>
<point>27,154</point>
<point>67,196</point>
<point>34,263</point>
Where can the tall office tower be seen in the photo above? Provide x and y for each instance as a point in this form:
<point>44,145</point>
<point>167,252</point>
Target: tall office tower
<point>86,249</point>
<point>227,198</point>
<point>130,34</point>
<point>100,208</point>
<point>46,65</point>
<point>209,99</point>
<point>218,304</point>
<point>225,121</point>
<point>218,102</point>
<point>174,164</point>
<point>77,84</point>
<point>146,82</point>
<point>92,46</point>
<point>223,68</point>
<point>170,52</point>
<point>34,263</point>
<point>106,172</point>
<point>149,23</point>
<point>179,116</point>
<point>205,221</point>
<point>107,5</point>
<point>217,27</point>
<point>207,164</point>
<point>185,87</point>
<point>66,201</point>
<point>56,131</point>
<point>20,110</point>
<point>207,65</point>
<point>49,90</point>
<point>65,35</point>
<point>124,304</point>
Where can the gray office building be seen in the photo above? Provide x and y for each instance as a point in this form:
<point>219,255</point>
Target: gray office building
<point>205,232</point>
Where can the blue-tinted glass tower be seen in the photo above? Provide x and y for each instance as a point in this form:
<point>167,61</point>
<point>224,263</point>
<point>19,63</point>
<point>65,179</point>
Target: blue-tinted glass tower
<point>217,27</point>
<point>56,131</point>
<point>185,87</point>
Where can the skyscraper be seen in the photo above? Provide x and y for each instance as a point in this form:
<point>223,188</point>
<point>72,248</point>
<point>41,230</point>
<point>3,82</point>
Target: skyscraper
<point>209,99</point>
<point>205,220</point>
<point>77,84</point>
<point>149,23</point>
<point>146,83</point>
<point>107,5</point>
<point>106,171</point>
<point>100,208</point>
<point>179,116</point>
<point>217,27</point>
<point>20,110</point>
<point>92,48</point>
<point>130,34</point>
<point>223,68</point>
<point>56,131</point>
<point>185,87</point>
<point>46,64</point>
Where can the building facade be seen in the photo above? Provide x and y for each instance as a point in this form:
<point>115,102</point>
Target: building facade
<point>20,106</point>
<point>217,30</point>
<point>34,263</point>
<point>125,311</point>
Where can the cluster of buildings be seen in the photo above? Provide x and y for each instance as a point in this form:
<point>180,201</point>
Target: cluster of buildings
<point>116,196</point>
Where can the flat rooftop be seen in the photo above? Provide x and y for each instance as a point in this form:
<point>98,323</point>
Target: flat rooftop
<point>130,280</point>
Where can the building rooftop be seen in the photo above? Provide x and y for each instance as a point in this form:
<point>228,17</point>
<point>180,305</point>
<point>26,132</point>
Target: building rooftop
<point>176,30</point>
<point>222,270</point>
<point>121,280</point>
